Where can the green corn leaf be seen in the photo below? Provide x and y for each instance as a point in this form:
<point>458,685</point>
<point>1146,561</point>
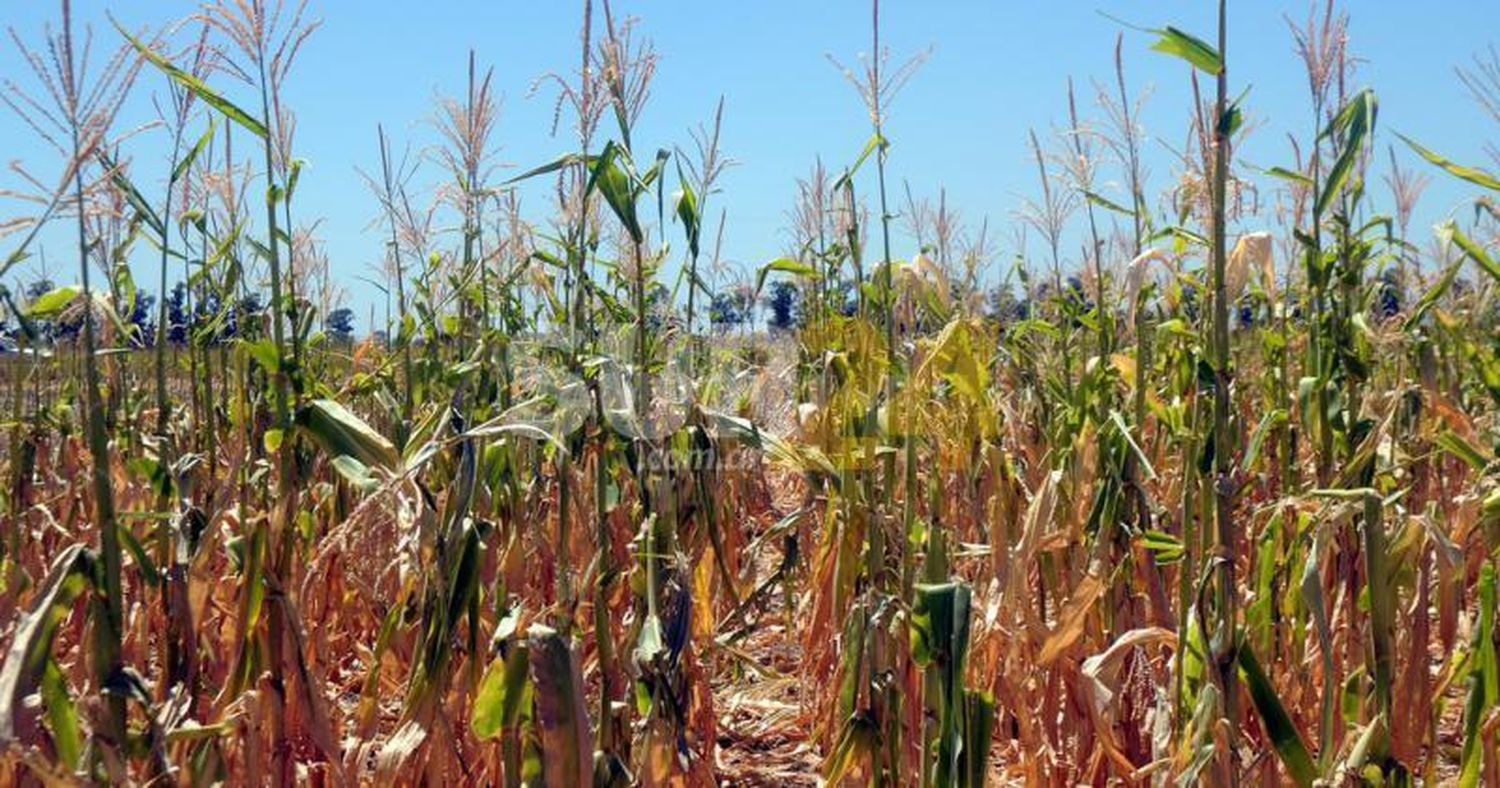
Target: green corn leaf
<point>874,143</point>
<point>1356,121</point>
<point>340,432</point>
<point>645,180</point>
<point>1449,231</point>
<point>138,554</point>
<point>686,205</point>
<point>1473,175</point>
<point>1166,548</point>
<point>193,153</point>
<point>979,730</point>
<point>785,265</point>
<point>1484,682</point>
<point>1287,175</point>
<point>354,472</point>
<point>62,714</point>
<point>1460,447</point>
<point>1194,50</point>
<point>1269,422</point>
<point>27,659</point>
<point>1106,203</point>
<point>53,301</point>
<point>562,162</point>
<point>610,178</point>
<point>939,634</point>
<point>264,353</point>
<point>133,196</point>
<point>1277,723</point>
<point>1310,589</point>
<point>1434,294</point>
<point>197,87</point>
<point>1118,420</point>
<point>502,693</point>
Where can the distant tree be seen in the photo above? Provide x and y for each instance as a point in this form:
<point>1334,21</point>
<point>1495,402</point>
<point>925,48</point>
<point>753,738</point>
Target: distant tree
<point>38,289</point>
<point>1005,308</point>
<point>728,309</point>
<point>206,315</point>
<point>243,319</point>
<point>785,305</point>
<point>143,320</point>
<point>177,316</point>
<point>1245,311</point>
<point>849,292</point>
<point>1190,300</point>
<point>658,300</point>
<point>1388,304</point>
<point>341,325</point>
<point>45,329</point>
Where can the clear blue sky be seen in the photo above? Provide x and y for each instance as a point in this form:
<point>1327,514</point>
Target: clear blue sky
<point>996,69</point>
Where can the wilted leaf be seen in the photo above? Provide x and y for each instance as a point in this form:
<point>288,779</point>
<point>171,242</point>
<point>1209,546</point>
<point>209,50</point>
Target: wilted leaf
<point>1071,619</point>
<point>30,652</point>
<point>561,717</point>
<point>340,432</point>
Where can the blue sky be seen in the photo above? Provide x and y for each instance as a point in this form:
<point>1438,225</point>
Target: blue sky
<point>996,69</point>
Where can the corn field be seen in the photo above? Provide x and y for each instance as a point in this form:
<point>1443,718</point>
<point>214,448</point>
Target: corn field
<point>1213,500</point>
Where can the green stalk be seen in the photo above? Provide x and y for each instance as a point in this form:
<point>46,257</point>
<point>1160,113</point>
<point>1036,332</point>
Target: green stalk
<point>281,534</point>
<point>1382,656</point>
<point>107,641</point>
<point>1223,483</point>
<point>406,377</point>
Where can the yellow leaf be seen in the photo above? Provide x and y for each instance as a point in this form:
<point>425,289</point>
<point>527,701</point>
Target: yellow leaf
<point>1072,618</point>
<point>1252,250</point>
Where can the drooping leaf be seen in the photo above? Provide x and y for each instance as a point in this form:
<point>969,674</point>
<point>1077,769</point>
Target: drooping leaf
<point>30,653</point>
<point>1194,50</point>
<point>1449,231</point>
<point>785,265</point>
<point>1106,203</point>
<point>874,143</point>
<point>855,744</point>
<point>560,163</point>
<point>1434,294</point>
<point>955,357</point>
<point>53,301</point>
<point>1290,176</point>
<point>340,432</point>
<point>1473,175</point>
<point>1462,448</point>
<point>561,716</point>
<point>197,87</point>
